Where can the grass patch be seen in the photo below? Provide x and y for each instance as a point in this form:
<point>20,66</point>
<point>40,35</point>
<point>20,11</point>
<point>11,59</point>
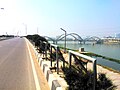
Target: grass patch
<point>106,58</point>
<point>67,49</point>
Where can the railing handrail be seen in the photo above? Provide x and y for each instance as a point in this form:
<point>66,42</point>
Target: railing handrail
<point>54,45</point>
<point>89,59</point>
<point>83,56</point>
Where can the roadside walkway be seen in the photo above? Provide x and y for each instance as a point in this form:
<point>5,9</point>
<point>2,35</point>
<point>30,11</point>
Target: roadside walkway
<point>42,80</point>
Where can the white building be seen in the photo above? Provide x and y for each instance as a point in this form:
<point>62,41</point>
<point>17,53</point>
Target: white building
<point>117,35</point>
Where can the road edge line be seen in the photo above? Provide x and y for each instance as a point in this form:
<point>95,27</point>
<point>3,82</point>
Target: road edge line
<point>33,69</point>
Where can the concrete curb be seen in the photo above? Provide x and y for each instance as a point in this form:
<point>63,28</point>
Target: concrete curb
<point>49,76</point>
<point>52,82</point>
<point>56,85</point>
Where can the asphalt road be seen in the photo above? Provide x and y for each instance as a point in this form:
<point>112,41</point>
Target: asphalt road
<point>15,66</point>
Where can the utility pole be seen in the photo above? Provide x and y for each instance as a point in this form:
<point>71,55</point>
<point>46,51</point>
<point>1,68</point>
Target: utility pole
<point>25,28</point>
<point>37,30</point>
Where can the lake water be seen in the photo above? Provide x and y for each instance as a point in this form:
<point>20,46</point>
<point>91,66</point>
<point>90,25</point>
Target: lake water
<point>112,51</point>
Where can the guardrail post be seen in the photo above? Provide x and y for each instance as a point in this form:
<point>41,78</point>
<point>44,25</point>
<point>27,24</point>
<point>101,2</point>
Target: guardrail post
<point>95,75</point>
<point>69,60</point>
<point>41,48</point>
<point>46,44</point>
<point>63,64</point>
<point>57,60</point>
<point>51,55</point>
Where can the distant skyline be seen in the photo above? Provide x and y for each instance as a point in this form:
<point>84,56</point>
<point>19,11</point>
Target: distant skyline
<point>46,17</point>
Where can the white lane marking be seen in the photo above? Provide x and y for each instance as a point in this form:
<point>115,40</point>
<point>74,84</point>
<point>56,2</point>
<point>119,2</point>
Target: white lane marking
<point>34,71</point>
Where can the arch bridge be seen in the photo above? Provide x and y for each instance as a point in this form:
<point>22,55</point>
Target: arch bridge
<point>76,38</point>
<point>74,35</point>
<point>94,39</point>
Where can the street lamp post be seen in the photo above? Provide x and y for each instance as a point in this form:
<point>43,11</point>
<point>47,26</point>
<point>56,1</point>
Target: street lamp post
<point>1,9</point>
<point>65,40</point>
<point>25,28</point>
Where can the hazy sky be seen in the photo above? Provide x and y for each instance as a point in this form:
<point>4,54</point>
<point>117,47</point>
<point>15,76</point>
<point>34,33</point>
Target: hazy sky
<point>84,17</point>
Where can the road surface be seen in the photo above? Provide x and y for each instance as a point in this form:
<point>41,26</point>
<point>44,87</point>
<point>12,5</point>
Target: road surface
<point>16,71</point>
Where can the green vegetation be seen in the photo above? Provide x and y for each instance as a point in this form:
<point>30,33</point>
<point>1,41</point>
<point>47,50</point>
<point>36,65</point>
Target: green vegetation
<point>36,38</point>
<point>67,48</point>
<point>107,58</point>
<point>6,35</point>
<point>83,81</point>
<point>38,41</point>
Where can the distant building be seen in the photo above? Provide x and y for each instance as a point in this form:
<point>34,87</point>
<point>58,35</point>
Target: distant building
<point>112,40</point>
<point>118,35</point>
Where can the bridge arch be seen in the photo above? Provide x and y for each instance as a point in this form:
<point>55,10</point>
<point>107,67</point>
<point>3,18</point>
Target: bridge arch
<point>74,35</point>
<point>95,38</point>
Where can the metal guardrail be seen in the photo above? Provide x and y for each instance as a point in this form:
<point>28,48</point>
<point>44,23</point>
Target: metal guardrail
<point>57,52</point>
<point>57,60</point>
<point>51,50</point>
<point>56,48</point>
<point>86,58</point>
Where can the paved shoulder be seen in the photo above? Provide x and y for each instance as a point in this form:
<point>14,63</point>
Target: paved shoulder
<point>42,80</point>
